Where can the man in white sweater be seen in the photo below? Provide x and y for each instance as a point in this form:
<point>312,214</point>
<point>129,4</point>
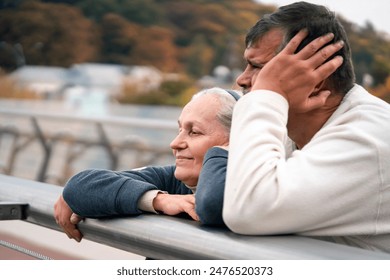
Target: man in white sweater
<point>309,150</point>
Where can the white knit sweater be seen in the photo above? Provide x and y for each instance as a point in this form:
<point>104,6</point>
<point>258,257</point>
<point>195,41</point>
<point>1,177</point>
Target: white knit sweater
<point>337,186</point>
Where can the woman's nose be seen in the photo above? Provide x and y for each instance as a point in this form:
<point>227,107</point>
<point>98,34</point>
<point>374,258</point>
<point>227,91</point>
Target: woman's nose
<point>178,142</point>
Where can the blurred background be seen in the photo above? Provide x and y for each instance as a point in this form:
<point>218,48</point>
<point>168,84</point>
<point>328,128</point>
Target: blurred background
<point>139,58</point>
<point>151,51</point>
<point>105,59</point>
<point>101,83</point>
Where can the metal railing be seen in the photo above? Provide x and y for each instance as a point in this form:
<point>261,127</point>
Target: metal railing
<point>164,237</point>
<point>76,134</point>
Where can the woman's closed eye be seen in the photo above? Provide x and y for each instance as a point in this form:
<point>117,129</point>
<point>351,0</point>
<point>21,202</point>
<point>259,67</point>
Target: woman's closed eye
<point>194,132</point>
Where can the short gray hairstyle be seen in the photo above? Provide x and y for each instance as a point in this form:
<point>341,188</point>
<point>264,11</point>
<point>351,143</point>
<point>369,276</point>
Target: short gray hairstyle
<point>227,101</point>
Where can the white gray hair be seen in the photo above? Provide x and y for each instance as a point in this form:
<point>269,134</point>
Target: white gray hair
<point>227,101</point>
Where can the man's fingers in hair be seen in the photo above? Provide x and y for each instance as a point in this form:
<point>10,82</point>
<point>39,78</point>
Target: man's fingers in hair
<point>292,46</point>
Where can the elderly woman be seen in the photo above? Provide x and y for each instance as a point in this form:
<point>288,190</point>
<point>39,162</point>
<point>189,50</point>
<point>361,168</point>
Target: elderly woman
<point>194,185</point>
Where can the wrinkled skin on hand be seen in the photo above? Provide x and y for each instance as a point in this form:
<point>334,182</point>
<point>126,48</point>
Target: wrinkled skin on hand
<point>67,220</point>
<point>170,204</point>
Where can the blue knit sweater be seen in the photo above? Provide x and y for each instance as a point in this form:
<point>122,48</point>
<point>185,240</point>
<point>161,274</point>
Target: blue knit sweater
<point>97,193</point>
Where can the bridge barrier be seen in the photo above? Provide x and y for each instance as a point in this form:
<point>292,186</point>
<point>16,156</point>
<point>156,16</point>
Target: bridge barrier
<point>164,237</point>
<point>64,140</point>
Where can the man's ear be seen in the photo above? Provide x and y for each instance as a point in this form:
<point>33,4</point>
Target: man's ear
<point>318,88</point>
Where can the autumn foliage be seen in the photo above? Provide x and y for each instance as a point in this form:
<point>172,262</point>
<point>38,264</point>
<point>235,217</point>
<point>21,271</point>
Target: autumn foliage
<point>191,37</point>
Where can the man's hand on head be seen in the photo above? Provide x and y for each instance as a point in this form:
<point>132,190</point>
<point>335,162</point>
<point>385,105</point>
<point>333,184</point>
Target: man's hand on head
<point>298,76</point>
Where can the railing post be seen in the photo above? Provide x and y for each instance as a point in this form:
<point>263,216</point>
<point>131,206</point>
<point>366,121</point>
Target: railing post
<point>47,148</point>
<point>106,144</point>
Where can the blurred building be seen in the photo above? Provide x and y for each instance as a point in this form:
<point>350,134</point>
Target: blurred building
<point>44,80</point>
<point>105,80</point>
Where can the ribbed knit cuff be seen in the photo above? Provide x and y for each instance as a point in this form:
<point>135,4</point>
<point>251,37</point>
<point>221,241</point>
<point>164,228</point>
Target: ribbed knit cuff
<point>145,203</point>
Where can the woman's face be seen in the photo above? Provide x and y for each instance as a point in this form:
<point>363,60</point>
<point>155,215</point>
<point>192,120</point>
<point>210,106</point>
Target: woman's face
<point>199,130</point>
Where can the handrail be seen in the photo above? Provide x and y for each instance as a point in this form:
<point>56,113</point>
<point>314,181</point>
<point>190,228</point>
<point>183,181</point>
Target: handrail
<point>78,142</point>
<point>163,237</point>
<point>111,120</point>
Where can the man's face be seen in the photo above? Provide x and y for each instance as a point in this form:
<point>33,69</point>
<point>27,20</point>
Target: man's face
<point>257,55</point>
<point>199,130</point>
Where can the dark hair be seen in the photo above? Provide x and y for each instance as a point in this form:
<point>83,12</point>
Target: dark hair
<point>318,21</point>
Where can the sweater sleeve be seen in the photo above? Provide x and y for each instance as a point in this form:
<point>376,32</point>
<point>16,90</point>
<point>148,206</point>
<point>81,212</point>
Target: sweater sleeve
<point>210,188</point>
<point>97,193</point>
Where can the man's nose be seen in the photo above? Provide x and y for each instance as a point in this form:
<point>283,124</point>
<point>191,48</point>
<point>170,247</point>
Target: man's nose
<point>244,80</point>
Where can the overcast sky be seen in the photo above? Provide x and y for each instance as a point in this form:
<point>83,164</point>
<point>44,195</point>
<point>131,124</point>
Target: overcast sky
<point>357,11</point>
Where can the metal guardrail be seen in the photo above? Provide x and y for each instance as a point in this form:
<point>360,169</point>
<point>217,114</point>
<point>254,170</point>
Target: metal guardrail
<point>77,145</point>
<point>164,237</point>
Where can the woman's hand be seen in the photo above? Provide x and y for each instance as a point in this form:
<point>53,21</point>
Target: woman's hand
<point>170,204</point>
<point>67,220</point>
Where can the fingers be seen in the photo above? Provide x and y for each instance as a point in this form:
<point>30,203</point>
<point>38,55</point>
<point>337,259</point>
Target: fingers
<point>189,207</point>
<point>329,67</point>
<point>175,204</point>
<point>325,53</point>
<point>292,46</point>
<point>62,214</point>
<point>312,48</point>
<point>308,67</point>
<point>191,212</point>
<point>75,219</point>
<point>72,232</point>
<point>315,50</point>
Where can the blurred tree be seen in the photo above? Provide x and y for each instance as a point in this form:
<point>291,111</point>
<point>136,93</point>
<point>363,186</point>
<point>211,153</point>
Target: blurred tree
<point>172,35</point>
<point>382,90</point>
<point>119,38</point>
<point>215,27</point>
<point>155,46</point>
<point>48,34</point>
<point>199,57</point>
<point>9,3</point>
<point>145,12</point>
<point>61,1</point>
<point>370,52</point>
<point>175,92</point>
<point>129,43</point>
